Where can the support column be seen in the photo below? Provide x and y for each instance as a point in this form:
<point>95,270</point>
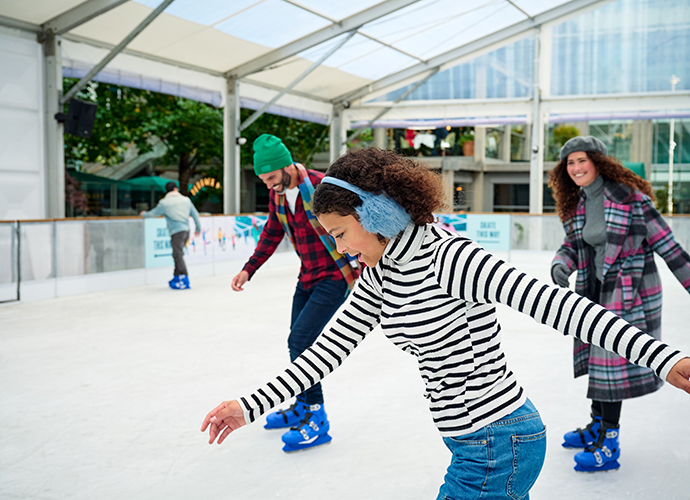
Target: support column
<point>55,142</point>
<point>527,149</point>
<point>583,127</point>
<point>231,150</point>
<point>113,200</point>
<point>337,134</point>
<point>536,171</point>
<point>448,176</point>
<point>642,142</point>
<point>505,150</point>
<point>380,138</point>
<point>479,203</point>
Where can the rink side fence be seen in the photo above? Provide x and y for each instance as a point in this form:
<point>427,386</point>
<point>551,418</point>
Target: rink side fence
<point>43,259</point>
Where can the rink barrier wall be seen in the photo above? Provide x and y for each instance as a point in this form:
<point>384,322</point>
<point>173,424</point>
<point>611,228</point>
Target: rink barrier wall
<point>44,259</point>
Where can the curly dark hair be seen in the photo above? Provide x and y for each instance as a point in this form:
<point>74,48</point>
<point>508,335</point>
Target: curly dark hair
<point>412,185</point>
<point>567,193</point>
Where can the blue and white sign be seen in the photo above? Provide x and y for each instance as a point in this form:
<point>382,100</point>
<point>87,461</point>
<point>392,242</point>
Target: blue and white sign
<point>157,246</point>
<point>490,231</point>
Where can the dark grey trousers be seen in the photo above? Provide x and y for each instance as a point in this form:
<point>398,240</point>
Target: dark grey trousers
<point>179,240</point>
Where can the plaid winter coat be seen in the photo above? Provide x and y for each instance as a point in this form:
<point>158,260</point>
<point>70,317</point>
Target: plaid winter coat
<point>631,287</point>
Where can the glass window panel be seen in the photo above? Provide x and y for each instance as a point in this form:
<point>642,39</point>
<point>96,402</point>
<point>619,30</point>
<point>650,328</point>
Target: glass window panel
<point>625,46</point>
<point>207,12</point>
<point>506,72</point>
<point>357,46</point>
<point>70,238</point>
<point>99,246</point>
<point>534,7</point>
<point>428,28</point>
<point>272,23</point>
<point>36,251</point>
<point>8,262</point>
<point>361,56</point>
<point>681,134</point>
<point>338,10</point>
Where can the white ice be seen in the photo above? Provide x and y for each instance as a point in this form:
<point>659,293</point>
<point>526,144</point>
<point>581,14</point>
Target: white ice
<point>102,397</point>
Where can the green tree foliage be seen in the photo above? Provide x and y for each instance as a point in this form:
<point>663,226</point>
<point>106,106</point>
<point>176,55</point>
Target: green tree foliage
<point>662,200</point>
<point>302,138</point>
<point>192,131</point>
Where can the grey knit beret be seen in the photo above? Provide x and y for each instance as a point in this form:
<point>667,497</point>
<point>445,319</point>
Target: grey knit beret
<point>587,144</point>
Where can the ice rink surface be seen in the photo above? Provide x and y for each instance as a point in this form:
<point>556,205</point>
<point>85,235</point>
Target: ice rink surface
<point>102,397</point>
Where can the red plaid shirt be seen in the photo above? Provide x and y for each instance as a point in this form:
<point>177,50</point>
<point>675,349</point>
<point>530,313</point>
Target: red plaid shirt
<point>317,264</point>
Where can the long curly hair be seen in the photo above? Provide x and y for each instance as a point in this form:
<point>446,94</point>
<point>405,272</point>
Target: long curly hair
<point>412,185</point>
<point>567,193</point>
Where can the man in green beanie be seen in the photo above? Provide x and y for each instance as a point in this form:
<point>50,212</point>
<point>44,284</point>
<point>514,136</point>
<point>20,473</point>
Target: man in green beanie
<point>325,278</point>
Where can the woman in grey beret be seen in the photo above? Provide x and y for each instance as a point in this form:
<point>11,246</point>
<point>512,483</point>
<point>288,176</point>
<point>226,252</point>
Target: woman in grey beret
<point>612,230</point>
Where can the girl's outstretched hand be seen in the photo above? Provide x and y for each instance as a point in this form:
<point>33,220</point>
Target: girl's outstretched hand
<point>679,375</point>
<point>225,418</point>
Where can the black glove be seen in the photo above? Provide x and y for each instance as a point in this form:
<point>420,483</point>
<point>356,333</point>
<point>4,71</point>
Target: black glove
<point>560,274</point>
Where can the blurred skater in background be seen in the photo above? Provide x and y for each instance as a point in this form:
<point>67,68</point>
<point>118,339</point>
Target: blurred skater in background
<point>177,209</point>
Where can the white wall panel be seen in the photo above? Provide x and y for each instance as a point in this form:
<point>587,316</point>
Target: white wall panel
<point>21,196</point>
<point>19,78</point>
<point>19,131</point>
<point>22,191</point>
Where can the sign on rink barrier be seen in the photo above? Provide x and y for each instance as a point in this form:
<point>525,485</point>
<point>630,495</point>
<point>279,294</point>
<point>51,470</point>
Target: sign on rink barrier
<point>220,238</point>
<point>235,237</point>
<point>491,231</point>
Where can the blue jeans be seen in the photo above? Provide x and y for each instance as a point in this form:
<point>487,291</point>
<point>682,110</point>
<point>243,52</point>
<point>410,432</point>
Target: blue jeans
<point>499,461</point>
<point>311,310</point>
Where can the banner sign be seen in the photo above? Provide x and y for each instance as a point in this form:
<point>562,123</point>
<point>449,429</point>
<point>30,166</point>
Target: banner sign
<point>221,238</point>
<point>491,231</point>
<point>157,247</point>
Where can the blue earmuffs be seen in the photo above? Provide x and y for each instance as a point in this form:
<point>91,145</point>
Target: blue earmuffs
<point>378,213</point>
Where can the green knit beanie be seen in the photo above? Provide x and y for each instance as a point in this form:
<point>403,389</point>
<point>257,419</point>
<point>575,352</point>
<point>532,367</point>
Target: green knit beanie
<point>270,154</point>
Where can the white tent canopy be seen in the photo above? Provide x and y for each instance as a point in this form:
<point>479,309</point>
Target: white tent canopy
<point>270,54</point>
<point>270,42</point>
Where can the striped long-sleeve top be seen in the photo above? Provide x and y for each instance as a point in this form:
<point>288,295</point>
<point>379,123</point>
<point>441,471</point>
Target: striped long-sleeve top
<point>434,294</point>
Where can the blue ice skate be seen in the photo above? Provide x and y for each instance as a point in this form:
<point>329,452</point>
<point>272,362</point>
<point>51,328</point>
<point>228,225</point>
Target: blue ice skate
<point>174,283</point>
<point>311,431</point>
<point>289,417</point>
<point>582,438</point>
<point>602,455</point>
<point>179,282</point>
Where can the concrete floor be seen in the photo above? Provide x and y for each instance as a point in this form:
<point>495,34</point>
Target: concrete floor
<point>102,396</point>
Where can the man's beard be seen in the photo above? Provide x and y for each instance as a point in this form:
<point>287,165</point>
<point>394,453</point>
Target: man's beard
<point>285,181</point>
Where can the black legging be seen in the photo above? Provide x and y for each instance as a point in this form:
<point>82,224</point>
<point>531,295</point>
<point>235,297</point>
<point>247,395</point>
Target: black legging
<point>609,412</point>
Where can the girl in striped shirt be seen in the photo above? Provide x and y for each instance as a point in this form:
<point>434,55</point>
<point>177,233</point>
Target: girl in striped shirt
<point>434,295</point>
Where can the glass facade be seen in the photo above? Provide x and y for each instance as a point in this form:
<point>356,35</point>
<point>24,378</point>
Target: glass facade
<point>506,72</point>
<point>625,46</point>
<point>681,161</point>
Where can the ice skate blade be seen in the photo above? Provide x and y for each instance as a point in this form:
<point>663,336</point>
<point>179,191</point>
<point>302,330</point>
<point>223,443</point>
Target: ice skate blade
<point>606,467</point>
<point>289,448</point>
<point>571,447</point>
<point>271,427</point>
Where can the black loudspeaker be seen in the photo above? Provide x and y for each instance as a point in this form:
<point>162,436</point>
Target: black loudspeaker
<point>80,118</point>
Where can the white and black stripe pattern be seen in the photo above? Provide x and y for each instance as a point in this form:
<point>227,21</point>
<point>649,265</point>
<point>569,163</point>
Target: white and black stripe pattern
<point>434,293</point>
